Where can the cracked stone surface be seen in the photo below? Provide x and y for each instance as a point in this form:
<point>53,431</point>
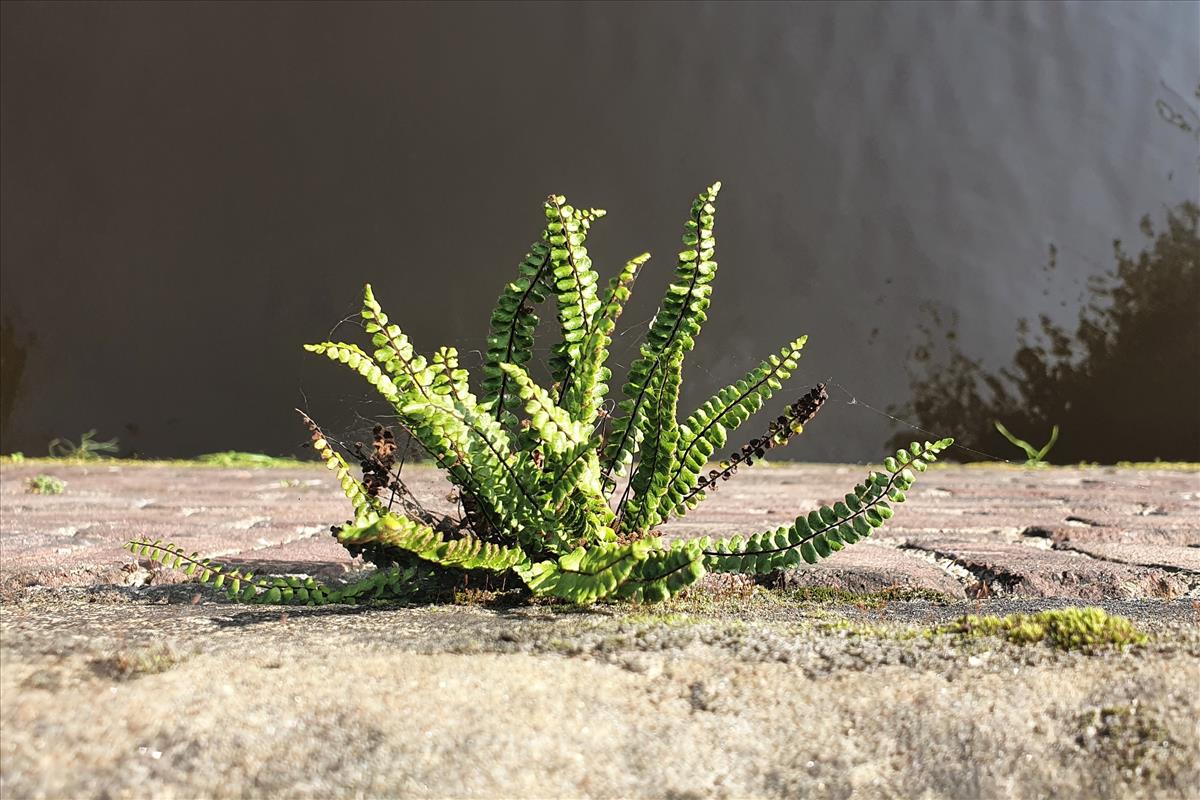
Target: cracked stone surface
<point>1164,556</point>
<point>1017,570</point>
<point>871,567</point>
<point>146,688</point>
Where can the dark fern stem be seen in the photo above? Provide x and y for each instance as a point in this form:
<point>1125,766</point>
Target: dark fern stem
<point>779,433</point>
<point>378,478</point>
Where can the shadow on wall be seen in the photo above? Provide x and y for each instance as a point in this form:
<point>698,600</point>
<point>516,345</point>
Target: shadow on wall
<point>1138,337</point>
<point>14,355</point>
<point>1136,345</point>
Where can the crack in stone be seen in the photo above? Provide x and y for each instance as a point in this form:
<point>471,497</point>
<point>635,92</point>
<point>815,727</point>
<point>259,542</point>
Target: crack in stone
<point>946,565</point>
<point>1191,577</point>
<point>977,581</point>
<point>983,580</point>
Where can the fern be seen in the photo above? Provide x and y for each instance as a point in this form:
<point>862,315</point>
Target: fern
<point>781,430</point>
<point>465,552</point>
<point>240,586</point>
<point>659,431</point>
<point>676,325</point>
<point>537,469</point>
<point>512,327</point>
<point>827,529</point>
<point>707,428</point>
<point>573,282</point>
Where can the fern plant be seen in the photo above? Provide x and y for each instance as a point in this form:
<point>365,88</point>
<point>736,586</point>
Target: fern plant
<point>556,486</point>
<point>87,447</point>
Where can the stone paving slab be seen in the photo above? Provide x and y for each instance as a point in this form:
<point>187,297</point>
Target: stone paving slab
<point>111,691</point>
<point>1164,556</point>
<point>1181,532</point>
<point>869,568</point>
<point>106,695</point>
<point>1016,570</point>
<point>236,514</point>
<point>1060,532</point>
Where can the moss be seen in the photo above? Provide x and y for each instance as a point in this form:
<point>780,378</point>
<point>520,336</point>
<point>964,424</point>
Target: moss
<point>826,595</point>
<point>487,597</point>
<point>1186,466</point>
<point>744,596</point>
<point>44,484</point>
<point>1067,629</point>
<point>861,630</point>
<point>667,617</point>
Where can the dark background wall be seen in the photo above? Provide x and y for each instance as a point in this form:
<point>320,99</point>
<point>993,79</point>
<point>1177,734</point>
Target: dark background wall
<point>189,192</point>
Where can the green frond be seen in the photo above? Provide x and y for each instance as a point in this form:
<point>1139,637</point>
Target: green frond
<point>353,356</point>
<point>573,282</point>
<point>583,576</point>
<point>643,570</point>
<point>707,429</point>
<point>676,324</point>
<point>366,507</point>
<point>664,572</point>
<point>590,386</point>
<point>553,424</point>
<point>513,325</point>
<point>239,586</point>
<point>387,585</point>
<point>394,350</point>
<point>660,436</point>
<point>391,585</point>
<point>827,529</point>
<point>410,536</point>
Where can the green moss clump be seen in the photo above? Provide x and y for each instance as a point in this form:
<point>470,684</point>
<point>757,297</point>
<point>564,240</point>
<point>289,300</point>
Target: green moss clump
<point>45,484</point>
<point>1067,629</point>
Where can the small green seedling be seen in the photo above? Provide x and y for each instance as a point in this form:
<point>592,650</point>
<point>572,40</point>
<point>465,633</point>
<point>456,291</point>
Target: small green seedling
<point>86,448</point>
<point>1034,456</point>
<point>45,484</point>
